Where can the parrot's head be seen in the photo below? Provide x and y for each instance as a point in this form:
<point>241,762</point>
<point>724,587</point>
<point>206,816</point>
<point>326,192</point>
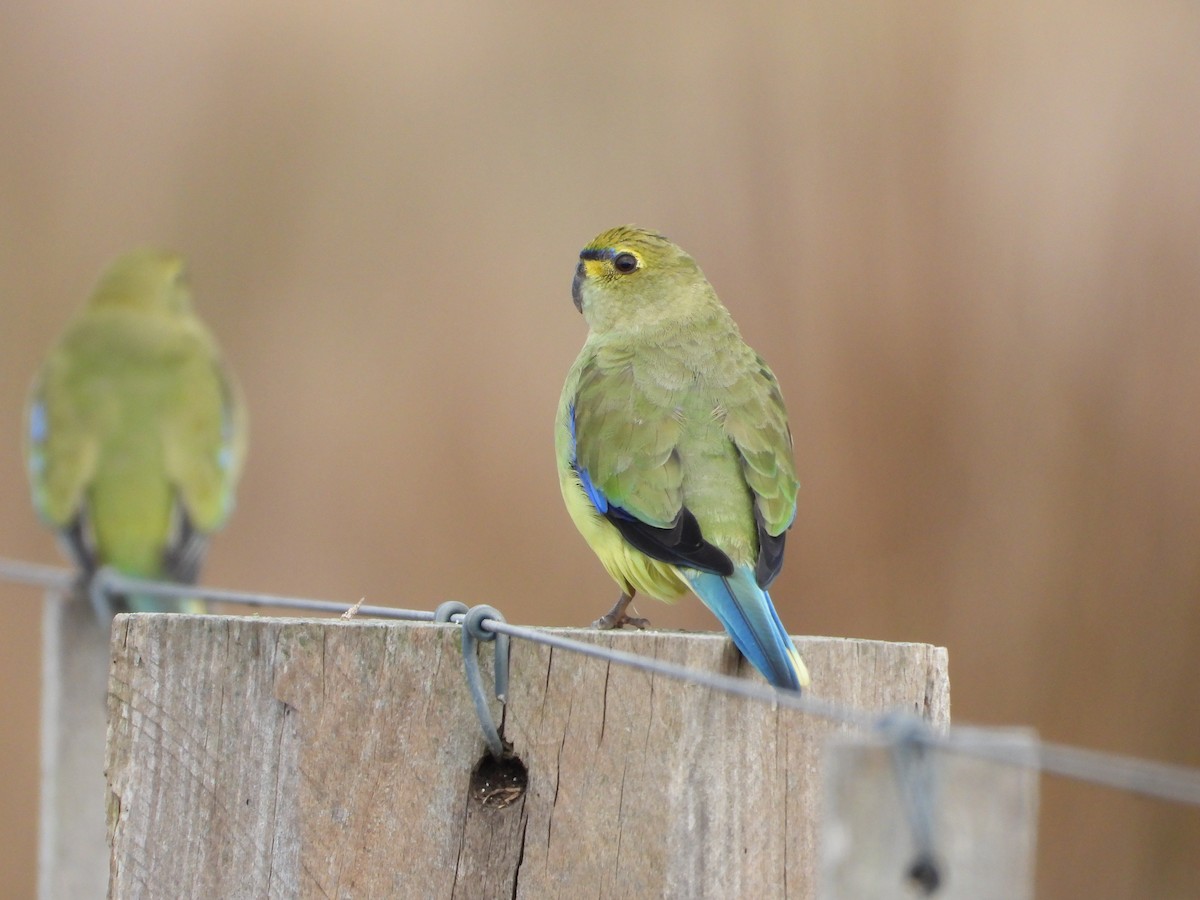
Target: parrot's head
<point>629,277</point>
<point>148,280</point>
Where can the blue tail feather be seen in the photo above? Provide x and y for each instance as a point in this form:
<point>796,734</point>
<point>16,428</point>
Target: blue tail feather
<point>746,612</point>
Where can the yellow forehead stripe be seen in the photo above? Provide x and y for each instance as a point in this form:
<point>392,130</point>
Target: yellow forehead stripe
<point>598,260</point>
<point>594,267</point>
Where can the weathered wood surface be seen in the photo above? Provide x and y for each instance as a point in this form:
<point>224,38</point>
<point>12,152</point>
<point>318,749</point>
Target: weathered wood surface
<point>72,851</point>
<point>318,758</point>
<point>983,816</point>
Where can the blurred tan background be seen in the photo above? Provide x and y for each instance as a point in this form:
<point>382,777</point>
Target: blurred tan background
<point>966,237</point>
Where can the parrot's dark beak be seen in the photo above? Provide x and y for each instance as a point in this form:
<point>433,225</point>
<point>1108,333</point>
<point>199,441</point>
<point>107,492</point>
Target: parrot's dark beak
<point>577,286</point>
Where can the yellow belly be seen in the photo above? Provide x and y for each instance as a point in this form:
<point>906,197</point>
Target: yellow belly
<point>630,568</point>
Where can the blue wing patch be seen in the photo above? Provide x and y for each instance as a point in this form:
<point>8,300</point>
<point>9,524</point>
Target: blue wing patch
<point>225,458</point>
<point>39,430</point>
<point>38,426</point>
<point>594,493</point>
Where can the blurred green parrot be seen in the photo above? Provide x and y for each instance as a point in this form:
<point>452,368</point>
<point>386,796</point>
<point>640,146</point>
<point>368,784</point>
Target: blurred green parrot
<point>673,448</point>
<point>135,432</point>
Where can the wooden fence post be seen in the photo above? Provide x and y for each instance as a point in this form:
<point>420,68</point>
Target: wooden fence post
<point>982,818</point>
<point>72,852</point>
<point>254,757</point>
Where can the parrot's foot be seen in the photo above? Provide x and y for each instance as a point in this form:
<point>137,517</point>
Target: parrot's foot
<point>609,621</point>
<point>618,618</point>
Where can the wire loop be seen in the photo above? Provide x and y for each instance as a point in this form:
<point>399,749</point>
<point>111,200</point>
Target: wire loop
<point>911,741</point>
<point>450,608</point>
<point>473,622</point>
<point>472,633</point>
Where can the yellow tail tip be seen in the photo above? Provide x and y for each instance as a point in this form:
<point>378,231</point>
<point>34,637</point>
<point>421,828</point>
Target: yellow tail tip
<point>801,669</point>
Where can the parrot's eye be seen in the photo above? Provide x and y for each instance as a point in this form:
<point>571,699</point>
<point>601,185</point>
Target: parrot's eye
<point>625,263</point>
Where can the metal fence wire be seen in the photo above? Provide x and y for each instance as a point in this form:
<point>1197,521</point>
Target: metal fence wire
<point>1162,781</point>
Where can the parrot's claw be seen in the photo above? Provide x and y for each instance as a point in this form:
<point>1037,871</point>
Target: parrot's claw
<point>618,618</point>
<point>606,622</point>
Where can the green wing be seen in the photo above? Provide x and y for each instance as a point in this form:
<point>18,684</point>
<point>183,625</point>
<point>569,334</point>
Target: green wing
<point>626,439</point>
<point>204,439</point>
<point>756,422</point>
<point>626,432</point>
<point>61,450</point>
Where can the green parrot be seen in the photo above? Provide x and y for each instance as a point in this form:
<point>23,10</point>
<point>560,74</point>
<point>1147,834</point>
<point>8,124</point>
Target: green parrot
<point>673,448</point>
<point>135,432</point>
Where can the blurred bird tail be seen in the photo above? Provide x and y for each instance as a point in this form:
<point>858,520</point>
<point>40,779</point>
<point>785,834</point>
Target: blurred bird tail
<point>747,613</point>
<point>107,602</point>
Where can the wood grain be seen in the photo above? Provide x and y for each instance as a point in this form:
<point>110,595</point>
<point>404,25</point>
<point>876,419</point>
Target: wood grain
<point>256,757</point>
